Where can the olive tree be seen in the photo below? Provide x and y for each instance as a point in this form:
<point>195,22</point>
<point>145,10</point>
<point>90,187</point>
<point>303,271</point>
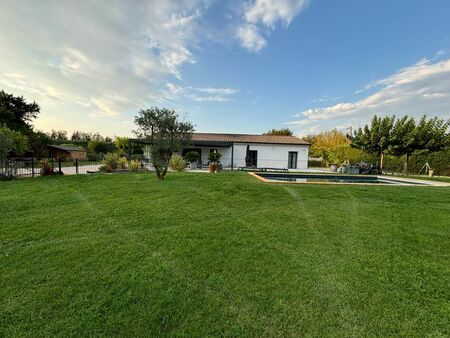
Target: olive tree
<point>165,133</point>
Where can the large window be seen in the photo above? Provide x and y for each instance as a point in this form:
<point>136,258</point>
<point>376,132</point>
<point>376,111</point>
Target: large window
<point>292,160</point>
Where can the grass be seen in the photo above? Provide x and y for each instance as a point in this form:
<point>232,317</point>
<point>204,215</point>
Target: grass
<point>221,255</point>
<point>435,178</point>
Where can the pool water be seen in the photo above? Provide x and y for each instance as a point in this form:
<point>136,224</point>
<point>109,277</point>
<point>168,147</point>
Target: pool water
<point>307,178</point>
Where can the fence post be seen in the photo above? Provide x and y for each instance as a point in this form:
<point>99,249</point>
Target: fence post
<point>76,166</point>
<point>32,167</point>
<point>59,166</point>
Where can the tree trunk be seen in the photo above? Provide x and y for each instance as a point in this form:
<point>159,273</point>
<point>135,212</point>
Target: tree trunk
<point>406,165</point>
<point>381,162</point>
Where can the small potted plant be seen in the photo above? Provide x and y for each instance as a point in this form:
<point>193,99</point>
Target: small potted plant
<point>192,157</point>
<point>214,161</point>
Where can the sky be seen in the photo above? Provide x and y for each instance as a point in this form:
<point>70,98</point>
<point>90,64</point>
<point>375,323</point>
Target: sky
<point>235,66</point>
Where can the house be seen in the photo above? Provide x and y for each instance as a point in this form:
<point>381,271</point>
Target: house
<point>250,151</point>
<point>66,153</point>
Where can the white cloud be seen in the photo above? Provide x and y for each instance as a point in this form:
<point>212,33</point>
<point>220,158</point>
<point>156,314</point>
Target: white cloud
<point>202,94</point>
<point>262,15</point>
<point>91,59</point>
<point>423,88</point>
<point>250,37</point>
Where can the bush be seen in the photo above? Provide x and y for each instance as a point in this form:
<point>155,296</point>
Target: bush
<point>8,170</point>
<point>134,165</point>
<point>214,156</point>
<point>192,156</point>
<point>177,163</point>
<point>122,163</point>
<point>46,168</point>
<point>110,162</point>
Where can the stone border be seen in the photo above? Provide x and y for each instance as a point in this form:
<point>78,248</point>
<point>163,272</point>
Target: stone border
<point>411,182</point>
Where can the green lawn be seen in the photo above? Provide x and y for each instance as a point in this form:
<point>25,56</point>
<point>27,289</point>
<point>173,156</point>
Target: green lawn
<point>221,255</point>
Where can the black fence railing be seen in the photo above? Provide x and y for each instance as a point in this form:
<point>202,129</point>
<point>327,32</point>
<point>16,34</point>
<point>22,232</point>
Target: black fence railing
<point>32,167</point>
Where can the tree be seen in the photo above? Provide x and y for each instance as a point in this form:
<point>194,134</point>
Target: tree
<point>432,134</point>
<point>16,113</point>
<point>121,143</point>
<point>11,143</point>
<point>404,139</point>
<point>377,138</point>
<point>96,148</point>
<point>333,147</point>
<point>280,132</point>
<point>427,134</point>
<point>166,134</point>
<point>58,135</point>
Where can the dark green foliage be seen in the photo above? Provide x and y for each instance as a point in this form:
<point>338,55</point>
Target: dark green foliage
<point>377,138</point>
<point>192,156</point>
<point>402,137</point>
<point>96,148</point>
<point>166,133</point>
<point>214,156</point>
<point>16,113</point>
<point>280,132</point>
<point>221,255</point>
<point>58,135</point>
<point>12,143</point>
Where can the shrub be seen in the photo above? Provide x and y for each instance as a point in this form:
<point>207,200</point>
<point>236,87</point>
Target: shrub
<point>134,165</point>
<point>122,163</point>
<point>192,156</point>
<point>110,162</point>
<point>8,170</point>
<point>177,163</point>
<point>46,168</point>
<point>214,156</point>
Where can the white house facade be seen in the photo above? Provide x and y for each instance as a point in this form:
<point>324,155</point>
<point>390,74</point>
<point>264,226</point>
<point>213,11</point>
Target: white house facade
<point>251,151</point>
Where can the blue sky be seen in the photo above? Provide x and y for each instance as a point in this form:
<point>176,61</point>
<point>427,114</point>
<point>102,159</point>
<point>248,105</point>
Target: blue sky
<point>227,66</point>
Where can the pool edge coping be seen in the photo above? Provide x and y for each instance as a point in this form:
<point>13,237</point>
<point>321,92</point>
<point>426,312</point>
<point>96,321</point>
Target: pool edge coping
<point>410,182</point>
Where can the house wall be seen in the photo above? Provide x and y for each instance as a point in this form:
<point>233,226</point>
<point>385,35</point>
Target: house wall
<point>79,155</point>
<point>271,155</point>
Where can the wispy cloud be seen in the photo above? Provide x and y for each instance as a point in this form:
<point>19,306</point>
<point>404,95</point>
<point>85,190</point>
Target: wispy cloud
<point>423,88</point>
<point>202,94</point>
<point>261,16</point>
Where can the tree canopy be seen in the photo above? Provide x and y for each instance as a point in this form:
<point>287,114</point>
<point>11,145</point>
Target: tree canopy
<point>11,142</point>
<point>166,133</point>
<point>388,135</point>
<point>280,132</point>
<point>16,113</point>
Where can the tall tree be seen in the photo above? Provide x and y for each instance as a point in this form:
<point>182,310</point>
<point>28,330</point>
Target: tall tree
<point>404,139</point>
<point>166,134</point>
<point>376,138</point>
<point>427,134</point>
<point>280,132</point>
<point>16,113</point>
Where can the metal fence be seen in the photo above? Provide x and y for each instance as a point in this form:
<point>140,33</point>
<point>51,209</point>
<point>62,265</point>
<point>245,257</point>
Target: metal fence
<point>32,167</point>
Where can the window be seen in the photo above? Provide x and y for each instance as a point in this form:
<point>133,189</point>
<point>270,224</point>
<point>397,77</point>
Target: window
<point>213,151</point>
<point>292,160</point>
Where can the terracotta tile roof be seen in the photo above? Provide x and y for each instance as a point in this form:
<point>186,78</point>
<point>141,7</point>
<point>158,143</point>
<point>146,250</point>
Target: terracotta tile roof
<point>246,138</point>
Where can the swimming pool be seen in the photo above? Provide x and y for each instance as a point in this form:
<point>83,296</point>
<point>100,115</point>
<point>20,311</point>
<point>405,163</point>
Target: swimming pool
<point>337,179</point>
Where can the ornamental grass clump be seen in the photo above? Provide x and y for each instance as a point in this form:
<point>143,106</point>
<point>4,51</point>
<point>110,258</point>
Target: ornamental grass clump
<point>110,162</point>
<point>177,163</point>
<point>122,163</point>
<point>134,165</point>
